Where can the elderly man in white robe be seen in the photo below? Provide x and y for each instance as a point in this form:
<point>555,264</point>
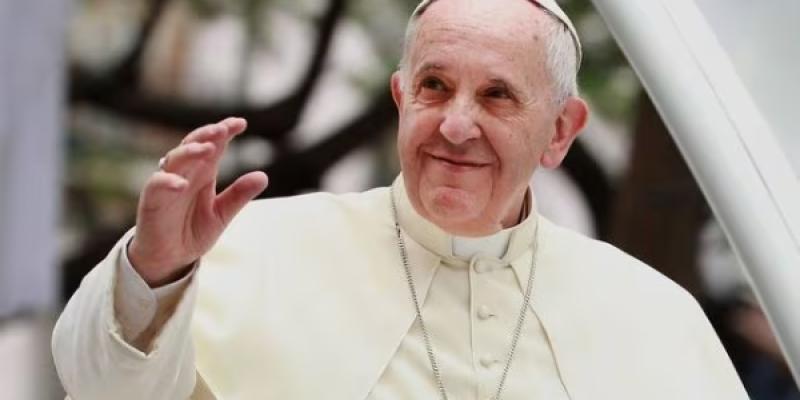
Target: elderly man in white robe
<point>446,285</point>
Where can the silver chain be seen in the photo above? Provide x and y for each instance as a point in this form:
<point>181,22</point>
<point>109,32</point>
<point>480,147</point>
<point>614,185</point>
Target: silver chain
<point>426,336</point>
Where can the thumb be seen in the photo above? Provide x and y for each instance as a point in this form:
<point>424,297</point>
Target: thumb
<point>228,203</point>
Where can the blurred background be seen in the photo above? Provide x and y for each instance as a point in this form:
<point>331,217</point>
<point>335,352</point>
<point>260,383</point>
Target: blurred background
<point>93,92</point>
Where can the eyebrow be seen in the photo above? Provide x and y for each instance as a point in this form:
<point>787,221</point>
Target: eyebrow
<point>495,81</point>
<point>430,66</point>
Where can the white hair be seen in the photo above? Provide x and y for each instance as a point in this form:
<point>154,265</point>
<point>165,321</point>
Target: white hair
<point>562,58</point>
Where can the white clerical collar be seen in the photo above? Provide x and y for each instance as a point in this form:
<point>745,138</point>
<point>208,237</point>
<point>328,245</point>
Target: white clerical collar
<point>494,245</point>
<point>506,245</point>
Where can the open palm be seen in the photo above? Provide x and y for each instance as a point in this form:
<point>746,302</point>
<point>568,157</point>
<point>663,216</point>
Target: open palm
<point>180,214</point>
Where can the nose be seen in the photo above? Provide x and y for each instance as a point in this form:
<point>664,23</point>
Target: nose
<point>459,123</point>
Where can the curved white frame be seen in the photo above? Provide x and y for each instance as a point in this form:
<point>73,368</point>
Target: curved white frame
<point>728,145</point>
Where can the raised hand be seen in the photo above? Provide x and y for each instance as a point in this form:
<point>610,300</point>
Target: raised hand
<point>180,214</point>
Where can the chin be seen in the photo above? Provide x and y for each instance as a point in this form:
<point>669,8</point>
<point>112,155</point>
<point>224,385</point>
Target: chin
<point>452,206</point>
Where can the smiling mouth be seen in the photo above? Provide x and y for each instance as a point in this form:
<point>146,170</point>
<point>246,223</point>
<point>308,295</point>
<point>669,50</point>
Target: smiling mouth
<point>458,163</point>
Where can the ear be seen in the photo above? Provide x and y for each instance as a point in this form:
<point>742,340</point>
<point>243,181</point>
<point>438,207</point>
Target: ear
<point>397,90</point>
<point>569,124</point>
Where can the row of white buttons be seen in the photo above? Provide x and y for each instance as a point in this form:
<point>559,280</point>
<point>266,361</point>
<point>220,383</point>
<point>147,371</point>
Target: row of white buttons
<point>488,360</point>
<point>484,312</point>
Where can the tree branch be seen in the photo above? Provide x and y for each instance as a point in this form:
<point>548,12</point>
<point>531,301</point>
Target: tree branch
<point>128,69</point>
<point>593,182</point>
<point>272,122</point>
<point>290,174</point>
<point>293,173</point>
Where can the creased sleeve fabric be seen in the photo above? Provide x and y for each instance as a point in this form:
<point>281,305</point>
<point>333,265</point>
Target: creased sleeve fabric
<point>141,309</point>
<point>93,359</point>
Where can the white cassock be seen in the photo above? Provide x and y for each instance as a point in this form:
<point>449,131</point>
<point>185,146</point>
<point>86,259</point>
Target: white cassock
<point>306,298</point>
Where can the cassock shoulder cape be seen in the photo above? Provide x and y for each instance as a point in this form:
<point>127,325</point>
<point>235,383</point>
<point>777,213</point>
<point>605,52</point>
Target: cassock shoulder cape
<point>305,298</point>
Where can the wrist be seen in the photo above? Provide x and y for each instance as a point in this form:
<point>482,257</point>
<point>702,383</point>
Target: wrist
<point>175,275</point>
<point>155,273</point>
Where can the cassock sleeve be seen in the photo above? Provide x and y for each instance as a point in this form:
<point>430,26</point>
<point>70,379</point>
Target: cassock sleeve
<point>141,310</point>
<point>93,359</point>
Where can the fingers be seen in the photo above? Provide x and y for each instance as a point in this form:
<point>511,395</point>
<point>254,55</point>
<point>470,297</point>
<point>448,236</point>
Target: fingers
<point>182,160</point>
<point>210,140</point>
<point>220,132</point>
<point>234,197</point>
<point>235,125</point>
<point>161,189</point>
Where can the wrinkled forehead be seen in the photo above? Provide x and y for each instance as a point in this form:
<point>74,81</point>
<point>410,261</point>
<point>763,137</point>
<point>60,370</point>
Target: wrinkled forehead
<point>549,6</point>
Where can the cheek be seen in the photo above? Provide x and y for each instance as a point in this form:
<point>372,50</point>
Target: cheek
<point>406,148</point>
<point>415,129</point>
<point>519,155</point>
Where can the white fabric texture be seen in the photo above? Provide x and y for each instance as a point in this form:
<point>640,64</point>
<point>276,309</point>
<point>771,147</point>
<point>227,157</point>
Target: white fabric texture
<point>305,298</point>
<point>137,304</point>
<point>472,311</point>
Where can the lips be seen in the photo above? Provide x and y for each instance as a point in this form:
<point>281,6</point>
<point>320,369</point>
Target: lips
<point>458,162</point>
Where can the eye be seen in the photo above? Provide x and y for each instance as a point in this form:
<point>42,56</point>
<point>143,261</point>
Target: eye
<point>432,83</point>
<point>497,93</point>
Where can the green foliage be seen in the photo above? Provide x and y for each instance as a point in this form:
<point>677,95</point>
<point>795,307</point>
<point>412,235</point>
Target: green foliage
<point>606,78</point>
<point>100,165</point>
